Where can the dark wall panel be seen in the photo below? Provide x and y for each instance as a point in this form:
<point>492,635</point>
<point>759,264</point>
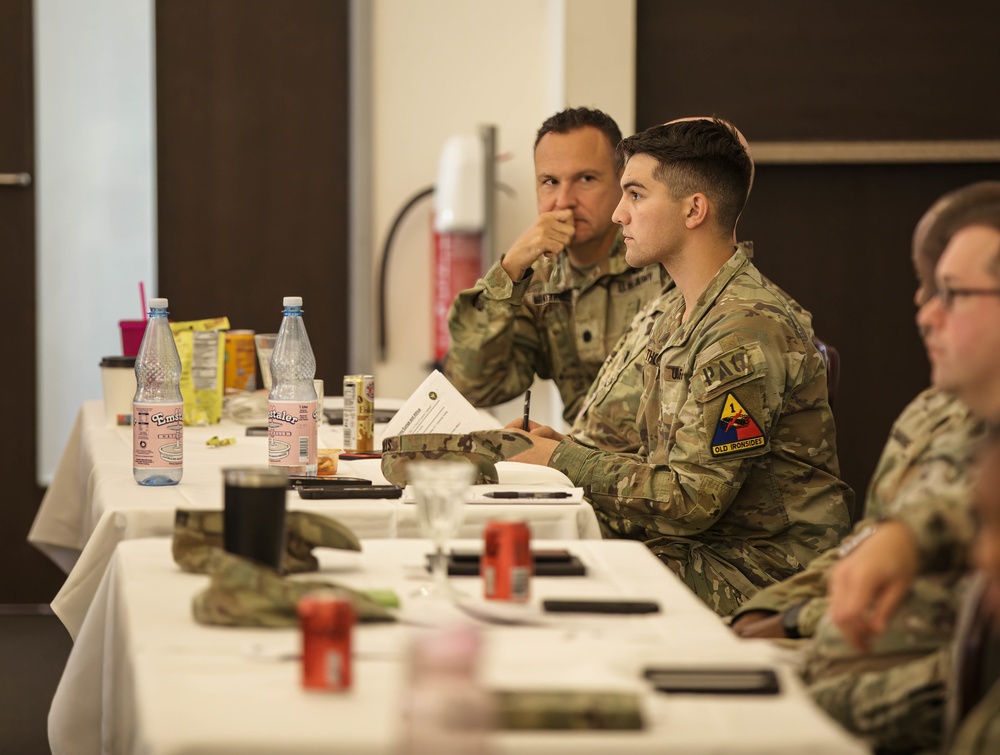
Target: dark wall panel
<point>850,69</point>
<point>252,140</point>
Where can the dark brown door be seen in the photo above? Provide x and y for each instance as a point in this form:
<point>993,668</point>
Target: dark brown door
<point>252,162</point>
<point>836,236</point>
<point>25,575</point>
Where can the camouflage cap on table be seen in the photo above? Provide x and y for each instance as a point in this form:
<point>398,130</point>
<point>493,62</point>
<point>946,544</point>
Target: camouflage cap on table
<point>244,593</point>
<point>483,448</point>
<point>196,532</point>
<point>567,709</point>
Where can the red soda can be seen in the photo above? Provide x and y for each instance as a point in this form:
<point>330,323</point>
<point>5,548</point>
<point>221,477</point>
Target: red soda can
<point>506,565</point>
<point>326,620</point>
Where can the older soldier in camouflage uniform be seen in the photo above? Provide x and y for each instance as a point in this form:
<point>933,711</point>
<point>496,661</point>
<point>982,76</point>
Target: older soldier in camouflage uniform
<point>895,698</point>
<point>960,327</point>
<point>736,486</point>
<point>563,294</point>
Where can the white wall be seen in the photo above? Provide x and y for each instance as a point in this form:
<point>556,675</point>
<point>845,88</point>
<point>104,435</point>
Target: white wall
<point>95,183</point>
<point>441,67</point>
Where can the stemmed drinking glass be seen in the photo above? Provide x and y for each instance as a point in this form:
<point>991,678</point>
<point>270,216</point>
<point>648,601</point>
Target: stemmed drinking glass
<point>439,488</point>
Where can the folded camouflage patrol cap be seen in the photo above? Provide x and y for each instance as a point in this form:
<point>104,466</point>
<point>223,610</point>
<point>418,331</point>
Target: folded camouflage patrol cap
<point>197,531</point>
<point>245,593</point>
<point>483,448</point>
<point>567,709</point>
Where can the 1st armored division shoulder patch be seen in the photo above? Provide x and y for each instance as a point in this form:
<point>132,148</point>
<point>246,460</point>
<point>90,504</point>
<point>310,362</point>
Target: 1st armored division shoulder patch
<point>736,429</point>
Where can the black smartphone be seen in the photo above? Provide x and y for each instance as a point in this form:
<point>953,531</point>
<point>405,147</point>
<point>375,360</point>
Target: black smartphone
<point>600,606</point>
<point>257,431</point>
<point>350,491</point>
<point>726,681</point>
<point>547,555</point>
<point>549,562</point>
<point>314,481</point>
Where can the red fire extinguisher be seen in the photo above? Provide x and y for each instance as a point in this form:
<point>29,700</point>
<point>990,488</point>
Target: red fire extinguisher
<point>458,221</point>
<point>459,230</point>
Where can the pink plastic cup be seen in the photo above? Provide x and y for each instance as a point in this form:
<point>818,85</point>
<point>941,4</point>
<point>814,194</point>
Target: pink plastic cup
<point>132,332</point>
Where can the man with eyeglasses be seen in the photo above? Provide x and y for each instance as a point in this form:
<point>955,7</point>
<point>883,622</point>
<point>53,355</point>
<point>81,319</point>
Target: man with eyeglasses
<point>894,696</point>
<point>961,327</point>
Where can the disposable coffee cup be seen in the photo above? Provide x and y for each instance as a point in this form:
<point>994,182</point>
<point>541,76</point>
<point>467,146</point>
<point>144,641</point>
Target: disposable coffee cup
<point>118,388</point>
<point>253,524</point>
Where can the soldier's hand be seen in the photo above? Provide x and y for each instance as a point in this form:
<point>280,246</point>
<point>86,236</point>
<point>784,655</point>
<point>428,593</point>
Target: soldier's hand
<point>535,430</point>
<point>549,234</point>
<point>759,624</point>
<point>540,453</point>
<point>866,586</point>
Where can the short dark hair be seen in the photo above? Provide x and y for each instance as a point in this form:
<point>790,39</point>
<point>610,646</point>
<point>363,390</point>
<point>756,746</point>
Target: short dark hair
<point>580,117</point>
<point>984,209</point>
<point>975,204</point>
<point>702,155</point>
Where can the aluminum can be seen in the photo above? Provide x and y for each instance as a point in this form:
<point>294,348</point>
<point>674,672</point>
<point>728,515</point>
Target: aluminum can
<point>506,565</point>
<point>326,620</point>
<point>359,412</point>
<point>241,361</point>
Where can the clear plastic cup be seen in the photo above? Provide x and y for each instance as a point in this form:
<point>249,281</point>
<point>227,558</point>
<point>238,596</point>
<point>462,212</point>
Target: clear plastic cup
<point>265,347</point>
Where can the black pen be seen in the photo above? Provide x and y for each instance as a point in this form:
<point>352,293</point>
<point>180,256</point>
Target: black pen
<point>527,408</point>
<point>521,494</point>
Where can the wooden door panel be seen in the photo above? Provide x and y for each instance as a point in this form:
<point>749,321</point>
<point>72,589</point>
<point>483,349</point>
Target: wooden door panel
<point>25,575</point>
<point>253,165</point>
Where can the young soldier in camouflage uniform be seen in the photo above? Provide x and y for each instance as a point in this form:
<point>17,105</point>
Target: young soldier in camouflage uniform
<point>562,295</point>
<point>736,486</point>
<point>607,417</point>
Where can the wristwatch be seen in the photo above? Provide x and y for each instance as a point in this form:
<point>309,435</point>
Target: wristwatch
<point>790,622</point>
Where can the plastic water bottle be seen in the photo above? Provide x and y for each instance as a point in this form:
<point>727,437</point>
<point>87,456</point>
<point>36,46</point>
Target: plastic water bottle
<point>292,403</point>
<point>158,409</point>
<point>446,710</point>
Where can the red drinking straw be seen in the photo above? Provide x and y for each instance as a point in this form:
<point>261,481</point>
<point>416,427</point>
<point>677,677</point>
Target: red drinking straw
<point>142,298</point>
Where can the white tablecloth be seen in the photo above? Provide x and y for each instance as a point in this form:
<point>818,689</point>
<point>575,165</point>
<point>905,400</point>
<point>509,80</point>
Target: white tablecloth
<point>94,503</point>
<point>143,677</point>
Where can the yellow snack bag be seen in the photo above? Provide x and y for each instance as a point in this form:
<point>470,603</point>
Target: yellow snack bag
<point>201,345</point>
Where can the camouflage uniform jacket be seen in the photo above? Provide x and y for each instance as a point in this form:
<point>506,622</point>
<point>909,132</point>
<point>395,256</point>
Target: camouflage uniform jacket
<point>737,484</point>
<point>925,461</point>
<point>557,322</point>
<point>608,417</point>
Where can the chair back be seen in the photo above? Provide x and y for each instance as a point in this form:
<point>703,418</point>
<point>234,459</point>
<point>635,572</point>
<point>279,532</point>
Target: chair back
<point>832,358</point>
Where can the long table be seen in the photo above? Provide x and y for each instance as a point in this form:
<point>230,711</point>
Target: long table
<point>93,502</point>
<point>144,677</point>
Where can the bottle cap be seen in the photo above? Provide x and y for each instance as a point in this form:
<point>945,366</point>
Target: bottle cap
<point>292,301</point>
<point>157,303</point>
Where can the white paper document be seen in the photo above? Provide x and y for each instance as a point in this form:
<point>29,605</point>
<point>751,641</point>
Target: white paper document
<point>437,407</point>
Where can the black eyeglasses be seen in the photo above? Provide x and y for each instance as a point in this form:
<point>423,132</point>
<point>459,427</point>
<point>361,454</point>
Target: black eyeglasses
<point>948,295</point>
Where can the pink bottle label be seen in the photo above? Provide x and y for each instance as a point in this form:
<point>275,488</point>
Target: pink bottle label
<point>291,433</point>
<point>157,436</point>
